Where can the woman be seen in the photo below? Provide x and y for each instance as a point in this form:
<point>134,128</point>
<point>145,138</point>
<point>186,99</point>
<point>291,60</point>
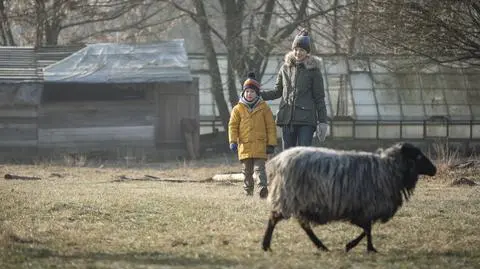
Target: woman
<point>299,84</point>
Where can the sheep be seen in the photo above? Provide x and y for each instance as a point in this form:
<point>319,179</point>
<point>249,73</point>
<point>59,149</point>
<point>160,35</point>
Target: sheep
<point>320,185</point>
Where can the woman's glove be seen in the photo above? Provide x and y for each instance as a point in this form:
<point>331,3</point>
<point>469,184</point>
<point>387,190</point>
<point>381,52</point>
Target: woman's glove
<point>321,131</point>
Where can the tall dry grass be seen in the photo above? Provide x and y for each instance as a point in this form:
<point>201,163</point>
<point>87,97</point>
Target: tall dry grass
<point>445,155</point>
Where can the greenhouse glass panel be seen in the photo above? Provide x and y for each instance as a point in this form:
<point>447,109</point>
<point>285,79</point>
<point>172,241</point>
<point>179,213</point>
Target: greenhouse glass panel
<point>368,112</point>
<point>436,110</point>
<point>390,112</point>
<point>459,131</point>
<point>327,97</point>
<point>366,131</point>
<point>476,131</point>
<point>335,65</point>
<point>473,96</point>
<point>450,70</point>
<point>413,111</point>
<point>358,65</point>
<point>268,82</point>
<point>363,97</point>
<point>433,97</point>
<point>379,66</point>
<point>342,129</point>
<point>409,81</point>
<point>454,81</point>
<point>428,68</point>
<point>204,82</point>
<point>336,82</point>
<point>436,130</point>
<point>273,65</point>
<point>473,80</point>
<point>205,98</point>
<point>432,81</point>
<point>361,81</point>
<point>344,108</point>
<point>333,94</point>
<point>389,131</point>
<point>475,111</point>
<point>385,81</point>
<point>387,96</point>
<point>412,130</point>
<point>329,110</point>
<point>206,110</point>
<point>455,97</point>
<point>459,112</point>
<point>410,97</point>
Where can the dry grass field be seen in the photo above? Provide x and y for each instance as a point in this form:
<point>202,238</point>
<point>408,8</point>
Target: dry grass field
<point>117,217</point>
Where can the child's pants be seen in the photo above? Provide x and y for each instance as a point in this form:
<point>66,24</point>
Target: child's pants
<point>250,166</point>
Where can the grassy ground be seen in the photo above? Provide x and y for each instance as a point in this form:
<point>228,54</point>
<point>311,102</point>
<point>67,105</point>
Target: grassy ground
<point>95,217</point>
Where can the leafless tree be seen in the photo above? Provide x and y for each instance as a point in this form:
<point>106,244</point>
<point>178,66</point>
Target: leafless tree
<point>81,19</point>
<point>5,24</point>
<point>250,31</point>
<point>443,30</point>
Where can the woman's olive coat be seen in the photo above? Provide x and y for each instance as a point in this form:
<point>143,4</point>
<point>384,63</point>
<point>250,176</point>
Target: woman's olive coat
<point>301,88</point>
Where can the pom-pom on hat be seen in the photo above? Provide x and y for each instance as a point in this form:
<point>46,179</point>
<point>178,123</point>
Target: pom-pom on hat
<point>251,83</point>
<point>302,40</point>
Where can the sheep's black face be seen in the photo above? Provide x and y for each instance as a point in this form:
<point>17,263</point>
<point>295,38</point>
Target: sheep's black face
<point>423,165</point>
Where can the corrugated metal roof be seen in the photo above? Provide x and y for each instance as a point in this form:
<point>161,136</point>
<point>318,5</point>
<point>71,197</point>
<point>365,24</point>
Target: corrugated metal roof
<point>17,64</point>
<point>123,63</point>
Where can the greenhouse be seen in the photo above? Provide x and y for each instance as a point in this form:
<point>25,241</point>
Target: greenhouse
<point>386,97</point>
<point>397,99</point>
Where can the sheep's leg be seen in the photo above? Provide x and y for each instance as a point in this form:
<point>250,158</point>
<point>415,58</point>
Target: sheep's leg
<point>272,221</point>
<point>308,229</point>
<point>367,230</point>
<point>354,242</point>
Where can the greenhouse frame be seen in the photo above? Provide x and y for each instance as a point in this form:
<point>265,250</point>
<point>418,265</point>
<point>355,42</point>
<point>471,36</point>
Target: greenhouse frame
<point>377,98</point>
<point>383,97</point>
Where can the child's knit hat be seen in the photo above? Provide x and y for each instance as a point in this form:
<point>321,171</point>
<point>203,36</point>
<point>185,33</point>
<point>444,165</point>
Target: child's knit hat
<point>302,40</point>
<point>251,83</point>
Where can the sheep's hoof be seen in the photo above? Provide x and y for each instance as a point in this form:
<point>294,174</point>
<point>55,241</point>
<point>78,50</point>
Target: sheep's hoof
<point>371,250</point>
<point>266,247</point>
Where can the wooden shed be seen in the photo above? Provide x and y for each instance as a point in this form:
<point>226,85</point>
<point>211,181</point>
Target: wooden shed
<point>20,93</point>
<point>118,98</point>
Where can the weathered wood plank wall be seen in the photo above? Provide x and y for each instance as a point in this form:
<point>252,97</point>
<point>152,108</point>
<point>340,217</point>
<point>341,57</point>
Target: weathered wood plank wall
<point>18,126</point>
<point>95,114</point>
<point>173,103</point>
<point>96,125</point>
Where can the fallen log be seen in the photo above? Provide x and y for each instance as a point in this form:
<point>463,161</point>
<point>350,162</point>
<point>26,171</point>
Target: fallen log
<point>10,176</point>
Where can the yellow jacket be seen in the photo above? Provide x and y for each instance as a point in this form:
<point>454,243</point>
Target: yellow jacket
<point>252,130</point>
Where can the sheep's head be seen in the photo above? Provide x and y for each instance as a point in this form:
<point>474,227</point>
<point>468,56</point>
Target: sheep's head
<point>422,163</point>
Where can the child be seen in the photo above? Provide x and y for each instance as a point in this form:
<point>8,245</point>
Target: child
<point>252,133</point>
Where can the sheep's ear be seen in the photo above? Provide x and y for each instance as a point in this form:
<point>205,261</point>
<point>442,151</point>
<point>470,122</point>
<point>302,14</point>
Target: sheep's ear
<point>410,151</point>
